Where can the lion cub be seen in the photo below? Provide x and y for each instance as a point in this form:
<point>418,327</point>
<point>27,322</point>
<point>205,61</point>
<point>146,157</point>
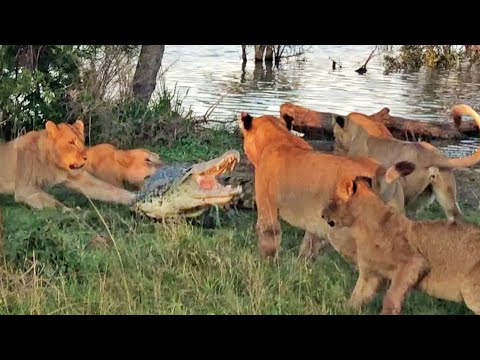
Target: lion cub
<point>118,167</point>
<point>440,257</point>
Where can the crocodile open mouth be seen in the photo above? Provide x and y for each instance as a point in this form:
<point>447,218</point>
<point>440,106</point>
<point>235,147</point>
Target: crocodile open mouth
<point>199,188</point>
<point>207,179</point>
<point>226,162</point>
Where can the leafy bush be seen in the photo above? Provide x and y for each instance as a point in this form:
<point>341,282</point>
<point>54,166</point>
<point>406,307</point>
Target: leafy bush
<point>414,57</point>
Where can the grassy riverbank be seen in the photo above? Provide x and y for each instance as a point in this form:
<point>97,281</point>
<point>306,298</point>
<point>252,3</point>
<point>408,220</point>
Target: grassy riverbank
<point>104,260</point>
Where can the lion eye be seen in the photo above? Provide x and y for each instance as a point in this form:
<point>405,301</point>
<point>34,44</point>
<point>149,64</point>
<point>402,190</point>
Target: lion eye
<point>72,142</point>
<point>147,160</point>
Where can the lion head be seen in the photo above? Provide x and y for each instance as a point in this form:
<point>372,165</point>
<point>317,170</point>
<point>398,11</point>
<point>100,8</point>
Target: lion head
<point>348,128</point>
<point>340,211</point>
<point>138,164</point>
<point>67,145</point>
<point>383,184</point>
<point>259,132</point>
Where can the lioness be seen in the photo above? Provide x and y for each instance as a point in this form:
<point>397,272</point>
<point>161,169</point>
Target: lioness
<point>290,114</point>
<point>439,257</point>
<point>433,178</point>
<point>53,156</point>
<point>118,167</point>
<point>295,182</point>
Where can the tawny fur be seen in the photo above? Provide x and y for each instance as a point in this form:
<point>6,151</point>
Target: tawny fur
<point>290,113</point>
<point>54,156</point>
<point>356,134</point>
<point>120,167</point>
<point>294,182</point>
<point>438,257</point>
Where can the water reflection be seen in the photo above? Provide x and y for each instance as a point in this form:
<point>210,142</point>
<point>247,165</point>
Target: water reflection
<point>211,71</point>
<point>262,72</point>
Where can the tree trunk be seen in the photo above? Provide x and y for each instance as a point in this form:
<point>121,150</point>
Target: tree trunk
<point>278,54</point>
<point>315,123</point>
<point>244,53</point>
<point>244,73</point>
<point>145,78</point>
<point>259,50</point>
<point>269,53</point>
<point>268,71</point>
<point>258,71</point>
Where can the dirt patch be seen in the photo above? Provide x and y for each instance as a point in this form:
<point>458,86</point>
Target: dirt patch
<point>100,241</point>
<point>468,187</point>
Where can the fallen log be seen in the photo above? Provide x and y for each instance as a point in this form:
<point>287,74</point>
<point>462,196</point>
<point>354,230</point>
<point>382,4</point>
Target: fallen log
<point>314,124</point>
<point>408,129</point>
<point>320,124</point>
<point>322,145</point>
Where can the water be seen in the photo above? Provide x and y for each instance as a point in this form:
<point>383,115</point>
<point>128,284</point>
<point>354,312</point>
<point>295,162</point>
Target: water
<point>210,72</point>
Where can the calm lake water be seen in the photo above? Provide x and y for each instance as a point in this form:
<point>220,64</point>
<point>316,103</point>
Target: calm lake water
<point>202,74</point>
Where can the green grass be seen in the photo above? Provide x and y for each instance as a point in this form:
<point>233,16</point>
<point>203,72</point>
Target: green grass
<point>51,266</point>
<point>202,146</point>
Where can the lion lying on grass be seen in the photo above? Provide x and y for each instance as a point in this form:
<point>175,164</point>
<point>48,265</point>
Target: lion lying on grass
<point>53,156</point>
<point>438,257</point>
<point>120,167</point>
<point>357,135</point>
<point>294,182</point>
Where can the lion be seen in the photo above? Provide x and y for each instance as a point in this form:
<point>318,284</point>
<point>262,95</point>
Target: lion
<point>433,179</point>
<point>439,257</point>
<point>55,155</point>
<point>120,167</point>
<point>290,113</point>
<point>294,182</point>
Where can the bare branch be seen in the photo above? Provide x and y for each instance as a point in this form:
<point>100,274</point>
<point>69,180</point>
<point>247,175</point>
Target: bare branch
<point>363,68</point>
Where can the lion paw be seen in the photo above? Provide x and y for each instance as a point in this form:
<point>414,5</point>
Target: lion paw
<point>390,307</point>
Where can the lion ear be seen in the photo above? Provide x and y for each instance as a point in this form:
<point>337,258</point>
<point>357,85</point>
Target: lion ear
<point>153,158</point>
<point>79,125</point>
<point>340,120</point>
<point>246,120</point>
<point>346,188</point>
<point>367,179</point>
<point>51,128</point>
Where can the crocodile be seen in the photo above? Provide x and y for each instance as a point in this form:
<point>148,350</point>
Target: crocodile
<point>188,191</point>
